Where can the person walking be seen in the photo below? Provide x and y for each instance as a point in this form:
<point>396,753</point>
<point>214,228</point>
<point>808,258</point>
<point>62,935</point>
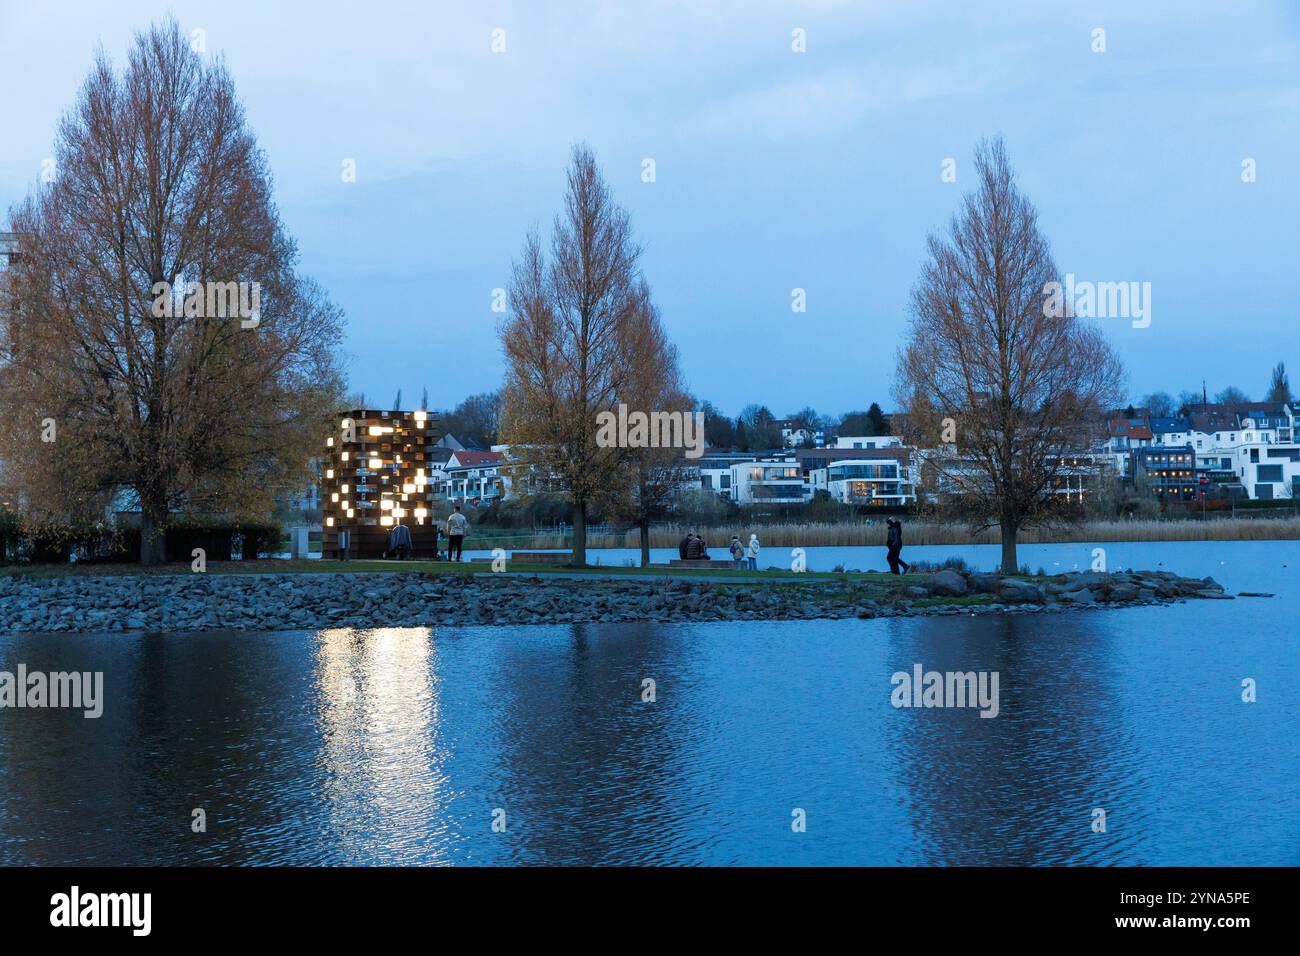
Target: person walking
<point>456,525</point>
<point>737,552</point>
<point>894,546</point>
<point>751,553</point>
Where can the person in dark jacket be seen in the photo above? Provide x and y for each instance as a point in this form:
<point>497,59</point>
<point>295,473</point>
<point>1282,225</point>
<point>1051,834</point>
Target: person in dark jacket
<point>894,546</point>
<point>399,542</point>
<point>685,545</point>
<point>694,547</point>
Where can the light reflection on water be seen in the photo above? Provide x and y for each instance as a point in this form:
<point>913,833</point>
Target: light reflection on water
<point>395,746</point>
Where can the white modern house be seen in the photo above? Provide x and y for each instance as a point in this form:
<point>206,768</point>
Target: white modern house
<point>868,441</point>
<point>774,480</point>
<point>858,481</point>
<point>714,470</point>
<point>475,478</point>
<point>1254,458</point>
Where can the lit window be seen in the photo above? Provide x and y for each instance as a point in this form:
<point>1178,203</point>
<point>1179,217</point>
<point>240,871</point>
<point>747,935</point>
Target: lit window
<point>329,522</point>
<point>334,497</point>
<point>329,473</point>
<point>376,464</point>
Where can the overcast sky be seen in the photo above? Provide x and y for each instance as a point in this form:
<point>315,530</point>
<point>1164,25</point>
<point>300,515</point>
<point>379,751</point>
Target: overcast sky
<point>775,170</point>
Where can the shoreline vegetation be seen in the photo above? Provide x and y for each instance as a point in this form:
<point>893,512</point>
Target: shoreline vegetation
<point>367,599</point>
<point>916,533</point>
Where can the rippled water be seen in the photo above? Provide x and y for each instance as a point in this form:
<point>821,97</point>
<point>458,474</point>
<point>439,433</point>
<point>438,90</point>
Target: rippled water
<point>396,746</point>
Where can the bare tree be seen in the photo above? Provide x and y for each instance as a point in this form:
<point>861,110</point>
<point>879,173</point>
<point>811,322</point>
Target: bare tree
<point>568,343</point>
<point>758,425</point>
<point>1159,404</point>
<point>1231,395</point>
<point>1188,399</point>
<point>477,418</point>
<point>152,385</point>
<point>1012,387</point>
<point>1279,387</point>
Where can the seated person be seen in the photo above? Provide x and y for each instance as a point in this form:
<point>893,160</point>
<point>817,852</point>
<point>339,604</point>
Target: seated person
<point>695,548</point>
<point>399,542</point>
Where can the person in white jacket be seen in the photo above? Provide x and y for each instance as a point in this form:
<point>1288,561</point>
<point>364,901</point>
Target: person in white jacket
<point>752,553</point>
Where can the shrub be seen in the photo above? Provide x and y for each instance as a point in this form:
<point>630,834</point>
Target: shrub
<point>952,563</point>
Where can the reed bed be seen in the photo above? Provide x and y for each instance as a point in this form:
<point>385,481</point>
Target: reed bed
<point>790,535</point>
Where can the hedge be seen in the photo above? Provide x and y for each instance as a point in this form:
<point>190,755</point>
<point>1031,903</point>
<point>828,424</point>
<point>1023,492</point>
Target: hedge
<point>55,544</point>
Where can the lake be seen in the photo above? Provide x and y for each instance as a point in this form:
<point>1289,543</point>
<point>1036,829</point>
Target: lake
<point>405,746</point>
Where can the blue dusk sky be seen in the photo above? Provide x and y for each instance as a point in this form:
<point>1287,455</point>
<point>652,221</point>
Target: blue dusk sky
<point>775,170</point>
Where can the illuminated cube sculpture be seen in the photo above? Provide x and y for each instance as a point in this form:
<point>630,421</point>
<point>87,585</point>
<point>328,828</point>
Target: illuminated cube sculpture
<point>378,473</point>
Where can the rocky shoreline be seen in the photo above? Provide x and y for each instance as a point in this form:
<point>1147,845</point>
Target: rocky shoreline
<point>303,601</point>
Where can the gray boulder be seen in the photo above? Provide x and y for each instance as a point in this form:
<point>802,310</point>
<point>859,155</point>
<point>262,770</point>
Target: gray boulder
<point>1081,596</point>
<point>947,583</point>
<point>1020,592</point>
<point>1123,593</point>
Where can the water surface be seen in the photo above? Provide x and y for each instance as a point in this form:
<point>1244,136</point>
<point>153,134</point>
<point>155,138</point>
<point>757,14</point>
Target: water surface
<point>397,746</point>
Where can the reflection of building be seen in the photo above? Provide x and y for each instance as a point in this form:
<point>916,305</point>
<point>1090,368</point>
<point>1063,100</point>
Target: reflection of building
<point>377,474</point>
<point>379,718</point>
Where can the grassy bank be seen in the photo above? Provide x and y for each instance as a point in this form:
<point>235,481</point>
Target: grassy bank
<point>219,568</point>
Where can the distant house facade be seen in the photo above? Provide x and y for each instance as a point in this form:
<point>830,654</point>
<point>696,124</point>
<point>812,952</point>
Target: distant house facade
<point>474,478</point>
<point>868,441</point>
<point>1245,449</point>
